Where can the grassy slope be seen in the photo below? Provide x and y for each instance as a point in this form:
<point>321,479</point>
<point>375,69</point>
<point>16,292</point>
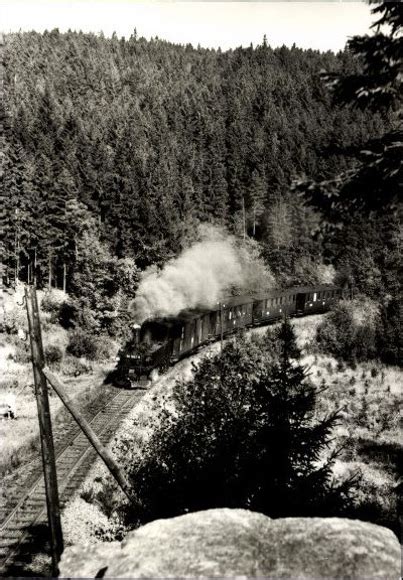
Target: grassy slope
<point>19,441</point>
<point>368,397</point>
<point>372,386</point>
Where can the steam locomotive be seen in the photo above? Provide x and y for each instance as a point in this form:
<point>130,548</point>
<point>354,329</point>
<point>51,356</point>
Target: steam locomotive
<point>160,342</point>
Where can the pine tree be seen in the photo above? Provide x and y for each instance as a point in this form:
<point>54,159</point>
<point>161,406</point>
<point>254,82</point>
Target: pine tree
<point>293,443</point>
<point>242,434</point>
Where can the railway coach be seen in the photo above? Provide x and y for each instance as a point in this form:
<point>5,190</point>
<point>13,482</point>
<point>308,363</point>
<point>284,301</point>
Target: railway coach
<point>160,342</point>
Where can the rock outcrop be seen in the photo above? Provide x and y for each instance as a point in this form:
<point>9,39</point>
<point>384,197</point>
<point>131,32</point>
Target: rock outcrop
<point>234,542</point>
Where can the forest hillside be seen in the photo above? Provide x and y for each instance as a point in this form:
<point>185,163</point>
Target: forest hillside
<point>147,139</point>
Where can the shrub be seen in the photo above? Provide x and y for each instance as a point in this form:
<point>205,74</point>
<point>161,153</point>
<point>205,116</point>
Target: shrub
<point>104,348</point>
<point>53,355</point>
<point>22,353</point>
<point>349,332</point>
<point>82,344</point>
<point>389,335</point>
<point>84,522</point>
<point>74,367</point>
<point>14,319</point>
<point>377,501</point>
<point>241,434</point>
<point>66,314</point>
<point>51,301</point>
<point>86,345</point>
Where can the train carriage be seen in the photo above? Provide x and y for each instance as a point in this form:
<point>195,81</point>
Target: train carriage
<point>271,306</point>
<point>316,300</point>
<point>162,341</point>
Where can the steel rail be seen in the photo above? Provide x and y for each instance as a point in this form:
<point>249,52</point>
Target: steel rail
<point>16,526</point>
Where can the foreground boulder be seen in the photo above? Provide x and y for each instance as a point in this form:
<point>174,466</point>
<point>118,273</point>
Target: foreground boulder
<point>235,542</point>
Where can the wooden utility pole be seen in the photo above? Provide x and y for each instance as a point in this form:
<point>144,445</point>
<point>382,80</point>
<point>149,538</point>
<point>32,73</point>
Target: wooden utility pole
<point>45,427</point>
<point>102,451</point>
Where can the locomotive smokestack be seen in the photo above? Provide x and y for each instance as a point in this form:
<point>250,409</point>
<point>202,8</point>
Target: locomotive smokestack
<point>136,333</point>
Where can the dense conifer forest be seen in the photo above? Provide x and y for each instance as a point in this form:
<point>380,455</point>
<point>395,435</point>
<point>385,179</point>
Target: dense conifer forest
<point>116,150</point>
<point>148,138</point>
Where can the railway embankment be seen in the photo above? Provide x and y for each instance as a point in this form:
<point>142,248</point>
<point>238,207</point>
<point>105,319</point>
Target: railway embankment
<point>368,394</point>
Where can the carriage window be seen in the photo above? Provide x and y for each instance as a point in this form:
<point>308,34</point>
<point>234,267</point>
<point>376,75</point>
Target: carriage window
<point>230,315</point>
<point>183,332</point>
<point>315,296</point>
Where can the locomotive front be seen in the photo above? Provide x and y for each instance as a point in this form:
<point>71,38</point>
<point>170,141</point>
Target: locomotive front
<point>148,351</point>
<point>133,360</point>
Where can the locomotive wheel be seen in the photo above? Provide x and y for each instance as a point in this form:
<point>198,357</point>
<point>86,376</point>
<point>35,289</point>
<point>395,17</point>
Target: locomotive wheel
<point>122,382</point>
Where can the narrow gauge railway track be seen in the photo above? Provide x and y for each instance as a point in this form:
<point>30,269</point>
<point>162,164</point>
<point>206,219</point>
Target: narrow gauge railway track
<point>73,461</point>
<point>64,432</point>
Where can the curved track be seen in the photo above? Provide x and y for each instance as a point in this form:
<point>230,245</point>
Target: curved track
<point>23,523</point>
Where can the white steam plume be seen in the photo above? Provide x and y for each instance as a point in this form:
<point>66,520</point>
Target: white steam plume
<point>199,277</point>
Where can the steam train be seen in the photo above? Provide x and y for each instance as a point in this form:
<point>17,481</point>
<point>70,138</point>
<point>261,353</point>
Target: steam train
<point>160,342</point>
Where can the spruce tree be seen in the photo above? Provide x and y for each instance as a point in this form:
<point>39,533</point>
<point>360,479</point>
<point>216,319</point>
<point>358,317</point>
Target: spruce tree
<point>242,435</point>
<point>296,478</point>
